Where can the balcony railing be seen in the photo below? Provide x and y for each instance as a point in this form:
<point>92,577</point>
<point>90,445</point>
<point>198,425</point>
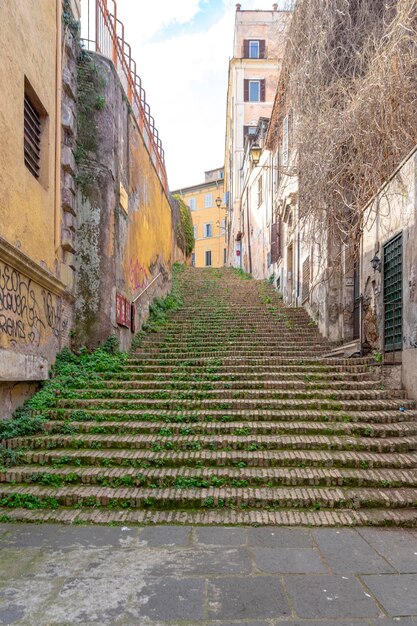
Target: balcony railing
<point>103,32</point>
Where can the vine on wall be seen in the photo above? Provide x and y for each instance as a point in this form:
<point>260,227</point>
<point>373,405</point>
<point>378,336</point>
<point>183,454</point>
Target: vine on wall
<point>350,75</point>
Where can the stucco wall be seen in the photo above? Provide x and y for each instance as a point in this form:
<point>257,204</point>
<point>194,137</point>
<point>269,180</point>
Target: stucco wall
<point>124,222</point>
<point>35,306</point>
<point>28,35</point>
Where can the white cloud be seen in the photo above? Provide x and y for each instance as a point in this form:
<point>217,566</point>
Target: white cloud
<point>185,80</point>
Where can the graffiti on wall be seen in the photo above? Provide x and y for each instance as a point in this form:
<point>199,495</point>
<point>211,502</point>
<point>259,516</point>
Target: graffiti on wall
<point>28,313</point>
<point>138,275</point>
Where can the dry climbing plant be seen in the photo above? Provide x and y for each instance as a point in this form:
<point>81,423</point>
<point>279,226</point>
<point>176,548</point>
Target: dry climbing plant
<point>350,76</point>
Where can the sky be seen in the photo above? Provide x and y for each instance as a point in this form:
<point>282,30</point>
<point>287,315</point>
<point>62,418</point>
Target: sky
<point>182,50</point>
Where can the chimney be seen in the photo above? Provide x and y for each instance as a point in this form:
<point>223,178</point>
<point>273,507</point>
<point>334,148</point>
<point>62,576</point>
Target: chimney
<point>238,7</point>
<point>275,6</point>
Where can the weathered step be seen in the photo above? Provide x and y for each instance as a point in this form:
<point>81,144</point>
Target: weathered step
<point>280,392</point>
<point>223,517</point>
<point>188,378</point>
<point>215,366</point>
<point>213,497</point>
<point>220,442</point>
<point>255,415</point>
<point>270,362</point>
<point>238,384</point>
<point>199,478</point>
<point>225,458</point>
<point>246,403</point>
<point>362,429</point>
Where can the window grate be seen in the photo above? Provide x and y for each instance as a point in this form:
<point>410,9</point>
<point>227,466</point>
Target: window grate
<point>393,293</point>
<point>32,138</point>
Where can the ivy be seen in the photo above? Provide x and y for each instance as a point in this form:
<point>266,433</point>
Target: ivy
<point>185,226</point>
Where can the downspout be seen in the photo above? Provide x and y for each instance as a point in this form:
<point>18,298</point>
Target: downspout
<point>58,96</point>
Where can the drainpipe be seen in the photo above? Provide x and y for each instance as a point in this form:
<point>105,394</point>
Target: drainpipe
<point>58,90</point>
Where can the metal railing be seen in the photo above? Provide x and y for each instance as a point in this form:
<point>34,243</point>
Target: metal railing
<point>146,288</point>
<point>105,34</point>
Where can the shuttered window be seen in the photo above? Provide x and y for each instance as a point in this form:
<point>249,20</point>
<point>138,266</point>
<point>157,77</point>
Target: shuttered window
<point>32,137</point>
<point>254,90</point>
<point>254,48</point>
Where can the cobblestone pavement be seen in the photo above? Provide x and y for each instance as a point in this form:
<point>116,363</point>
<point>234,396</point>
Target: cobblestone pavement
<point>179,575</point>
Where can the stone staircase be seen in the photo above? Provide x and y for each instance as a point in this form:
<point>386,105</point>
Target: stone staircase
<point>229,416</point>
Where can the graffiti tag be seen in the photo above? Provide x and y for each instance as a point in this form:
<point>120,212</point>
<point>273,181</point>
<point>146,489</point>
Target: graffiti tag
<point>138,275</point>
<point>22,316</point>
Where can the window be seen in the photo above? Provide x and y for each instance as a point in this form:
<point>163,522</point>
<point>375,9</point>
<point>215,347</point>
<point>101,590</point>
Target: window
<point>260,191</point>
<point>223,224</point>
<point>249,131</point>
<point>207,230</point>
<point>254,90</point>
<point>195,231</point>
<point>222,174</point>
<point>208,200</point>
<point>224,256</point>
<point>193,259</point>
<point>208,258</point>
<point>254,49</point>
<point>192,204</point>
<point>32,137</point>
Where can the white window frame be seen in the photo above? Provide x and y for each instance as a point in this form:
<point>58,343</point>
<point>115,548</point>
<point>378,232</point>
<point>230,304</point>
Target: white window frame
<point>205,235</point>
<point>251,43</point>
<point>208,201</point>
<point>254,82</point>
<point>192,204</point>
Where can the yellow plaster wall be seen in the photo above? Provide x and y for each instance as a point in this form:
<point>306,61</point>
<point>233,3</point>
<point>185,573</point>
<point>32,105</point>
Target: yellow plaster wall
<point>149,235</point>
<point>28,35</point>
<point>202,216</point>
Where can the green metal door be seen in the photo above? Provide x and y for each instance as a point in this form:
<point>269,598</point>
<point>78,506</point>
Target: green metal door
<point>393,293</point>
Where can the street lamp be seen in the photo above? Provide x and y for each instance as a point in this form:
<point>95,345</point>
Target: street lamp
<point>218,202</point>
<point>255,153</point>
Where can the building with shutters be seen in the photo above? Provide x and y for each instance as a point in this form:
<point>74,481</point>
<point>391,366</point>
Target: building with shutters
<point>208,212</point>
<point>259,44</point>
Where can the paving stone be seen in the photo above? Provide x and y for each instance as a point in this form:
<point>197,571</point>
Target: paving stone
<point>170,599</point>
<point>280,537</point>
<point>397,593</point>
<point>398,547</point>
<point>246,598</point>
<point>216,536</point>
<point>61,537</point>
<point>171,536</point>
<point>204,562</point>
<point>347,552</point>
<point>289,561</point>
<point>325,597</point>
